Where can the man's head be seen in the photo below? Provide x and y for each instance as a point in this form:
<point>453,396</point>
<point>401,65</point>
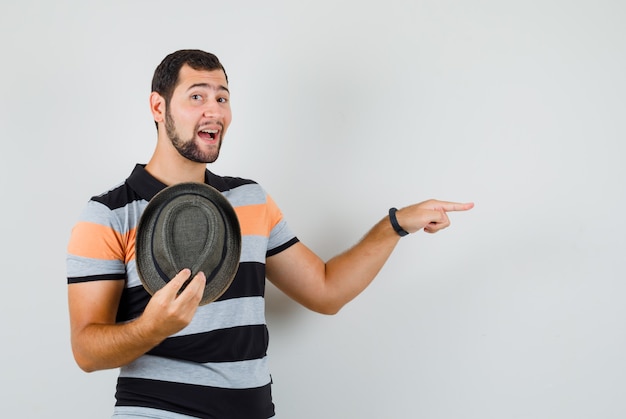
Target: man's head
<point>190,103</point>
<point>166,74</point>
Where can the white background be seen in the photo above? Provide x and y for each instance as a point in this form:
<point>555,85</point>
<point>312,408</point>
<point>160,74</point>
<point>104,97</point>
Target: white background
<point>341,110</point>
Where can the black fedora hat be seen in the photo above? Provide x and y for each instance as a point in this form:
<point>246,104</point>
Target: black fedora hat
<point>188,225</point>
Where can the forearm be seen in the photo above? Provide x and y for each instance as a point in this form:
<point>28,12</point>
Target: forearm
<point>105,346</point>
<point>349,273</point>
<point>98,342</point>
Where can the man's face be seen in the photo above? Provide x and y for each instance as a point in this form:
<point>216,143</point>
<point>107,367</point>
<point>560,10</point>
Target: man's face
<point>198,114</point>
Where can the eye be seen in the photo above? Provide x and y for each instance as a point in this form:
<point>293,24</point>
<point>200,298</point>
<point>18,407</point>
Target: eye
<point>222,100</point>
<point>196,97</point>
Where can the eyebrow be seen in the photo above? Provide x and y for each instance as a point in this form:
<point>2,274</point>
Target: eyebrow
<point>210,86</point>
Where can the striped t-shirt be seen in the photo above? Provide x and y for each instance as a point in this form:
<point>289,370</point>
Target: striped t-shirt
<point>216,367</point>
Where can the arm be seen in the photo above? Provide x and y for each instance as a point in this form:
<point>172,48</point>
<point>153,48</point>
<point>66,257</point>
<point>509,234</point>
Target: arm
<point>327,287</point>
<point>99,343</point>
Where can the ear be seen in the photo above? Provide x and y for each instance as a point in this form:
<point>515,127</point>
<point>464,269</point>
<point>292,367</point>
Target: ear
<point>157,107</point>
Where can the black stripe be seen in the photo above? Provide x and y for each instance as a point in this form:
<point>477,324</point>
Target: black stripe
<point>282,247</point>
<point>241,343</point>
<point>225,183</point>
<point>249,282</point>
<point>132,303</point>
<point>197,401</point>
<point>107,277</point>
<point>118,197</point>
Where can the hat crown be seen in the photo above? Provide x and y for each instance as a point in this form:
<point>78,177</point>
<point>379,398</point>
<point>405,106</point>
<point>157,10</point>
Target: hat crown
<point>194,231</point>
<point>188,225</point>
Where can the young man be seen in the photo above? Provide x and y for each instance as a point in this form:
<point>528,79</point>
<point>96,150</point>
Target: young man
<point>179,359</point>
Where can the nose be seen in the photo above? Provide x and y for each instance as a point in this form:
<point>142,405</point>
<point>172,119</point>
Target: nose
<point>212,109</point>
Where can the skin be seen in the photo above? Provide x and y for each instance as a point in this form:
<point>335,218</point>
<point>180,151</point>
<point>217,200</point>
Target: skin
<point>201,101</point>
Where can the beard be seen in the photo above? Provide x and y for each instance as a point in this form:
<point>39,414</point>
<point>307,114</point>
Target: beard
<point>189,149</point>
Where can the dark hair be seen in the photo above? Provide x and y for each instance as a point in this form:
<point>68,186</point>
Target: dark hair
<point>166,74</point>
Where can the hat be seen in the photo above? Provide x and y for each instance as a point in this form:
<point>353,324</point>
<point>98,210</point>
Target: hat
<point>188,225</point>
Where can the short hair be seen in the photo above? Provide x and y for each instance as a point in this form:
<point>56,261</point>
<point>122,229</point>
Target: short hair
<point>166,74</point>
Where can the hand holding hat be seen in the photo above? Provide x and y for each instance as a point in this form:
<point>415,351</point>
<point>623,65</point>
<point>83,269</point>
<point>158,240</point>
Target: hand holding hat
<point>171,309</point>
<point>188,225</point>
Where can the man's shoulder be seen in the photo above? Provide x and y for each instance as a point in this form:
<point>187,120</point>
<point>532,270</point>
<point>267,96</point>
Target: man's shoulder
<point>118,196</point>
<point>226,183</point>
<point>234,182</point>
<point>137,186</point>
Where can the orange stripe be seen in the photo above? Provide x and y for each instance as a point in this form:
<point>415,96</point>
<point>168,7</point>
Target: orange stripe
<point>96,241</point>
<point>274,212</point>
<point>130,245</point>
<point>251,218</point>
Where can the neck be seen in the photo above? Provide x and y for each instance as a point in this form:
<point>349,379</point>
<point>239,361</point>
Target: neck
<point>172,169</point>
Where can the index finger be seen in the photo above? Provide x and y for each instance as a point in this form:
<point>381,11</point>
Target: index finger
<point>455,206</point>
<point>179,280</point>
<point>194,285</point>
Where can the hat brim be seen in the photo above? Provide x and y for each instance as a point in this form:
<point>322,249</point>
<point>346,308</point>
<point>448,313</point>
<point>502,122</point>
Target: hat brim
<point>218,231</point>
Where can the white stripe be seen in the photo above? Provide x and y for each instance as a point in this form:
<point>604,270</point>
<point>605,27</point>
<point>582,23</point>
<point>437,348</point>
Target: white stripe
<point>121,219</point>
<point>280,235</point>
<point>233,375</point>
<point>250,246</point>
<point>134,412</point>
<point>248,194</point>
<point>132,277</point>
<point>78,266</point>
<point>235,312</point>
<point>128,216</point>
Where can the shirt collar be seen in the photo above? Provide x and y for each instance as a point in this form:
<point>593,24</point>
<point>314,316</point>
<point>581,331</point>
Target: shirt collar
<point>147,186</point>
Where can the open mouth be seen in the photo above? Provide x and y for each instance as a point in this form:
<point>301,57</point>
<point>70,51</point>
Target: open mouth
<point>208,134</point>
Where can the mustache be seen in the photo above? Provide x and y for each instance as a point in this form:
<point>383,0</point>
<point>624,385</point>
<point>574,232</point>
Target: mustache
<point>209,124</point>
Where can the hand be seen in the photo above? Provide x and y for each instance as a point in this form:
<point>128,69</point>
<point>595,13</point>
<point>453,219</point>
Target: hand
<point>170,309</point>
<point>429,215</point>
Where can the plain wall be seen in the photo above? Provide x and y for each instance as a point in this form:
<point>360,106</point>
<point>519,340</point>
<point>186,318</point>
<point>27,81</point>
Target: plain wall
<point>343,109</point>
